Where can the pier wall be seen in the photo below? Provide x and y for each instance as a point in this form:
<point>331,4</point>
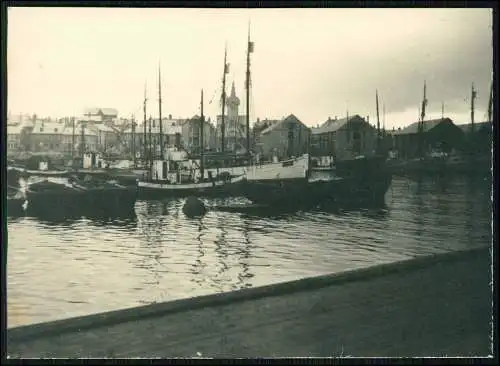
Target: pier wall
<point>430,306</point>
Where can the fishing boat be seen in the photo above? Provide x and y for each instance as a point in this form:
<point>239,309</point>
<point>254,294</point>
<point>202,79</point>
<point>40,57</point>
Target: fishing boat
<point>174,177</point>
<point>245,164</point>
<point>43,165</point>
<point>357,181</point>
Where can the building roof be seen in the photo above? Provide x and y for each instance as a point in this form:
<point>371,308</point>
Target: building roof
<point>478,126</point>
<point>428,125</point>
<point>169,126</point>
<point>106,111</point>
<point>109,111</point>
<point>290,119</point>
<point>47,128</point>
<point>332,125</point>
<point>68,131</point>
<point>99,127</point>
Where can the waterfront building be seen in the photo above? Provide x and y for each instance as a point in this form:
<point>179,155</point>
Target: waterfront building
<point>344,138</point>
<point>288,137</point>
<point>441,134</point>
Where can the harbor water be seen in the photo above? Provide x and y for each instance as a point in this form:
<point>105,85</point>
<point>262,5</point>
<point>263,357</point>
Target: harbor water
<point>77,266</point>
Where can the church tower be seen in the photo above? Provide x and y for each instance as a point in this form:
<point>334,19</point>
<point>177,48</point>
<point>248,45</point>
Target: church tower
<point>233,103</point>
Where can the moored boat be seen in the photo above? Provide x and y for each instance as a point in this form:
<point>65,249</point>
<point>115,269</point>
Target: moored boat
<point>180,177</point>
<point>78,196</point>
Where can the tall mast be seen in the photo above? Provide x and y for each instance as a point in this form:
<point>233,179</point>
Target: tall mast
<point>83,136</point>
<point>383,120</point>
<point>442,110</point>
<point>159,111</point>
<point>422,117</point>
<point>73,138</point>
<point>145,146</point>
<point>223,101</point>
<point>490,104</point>
<point>202,145</point>
<point>150,149</point>
<point>378,115</point>
<point>472,100</point>
<point>250,48</point>
<point>133,141</point>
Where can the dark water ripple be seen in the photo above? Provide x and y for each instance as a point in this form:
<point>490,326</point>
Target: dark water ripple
<point>58,269</point>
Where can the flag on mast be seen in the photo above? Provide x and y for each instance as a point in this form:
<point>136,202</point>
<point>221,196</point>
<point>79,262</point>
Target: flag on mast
<point>227,68</point>
<point>250,47</point>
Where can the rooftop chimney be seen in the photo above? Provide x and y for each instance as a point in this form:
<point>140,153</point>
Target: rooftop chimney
<point>329,118</point>
<point>335,118</point>
<point>169,116</point>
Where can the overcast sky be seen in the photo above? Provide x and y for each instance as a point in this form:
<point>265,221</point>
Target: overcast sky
<point>314,63</point>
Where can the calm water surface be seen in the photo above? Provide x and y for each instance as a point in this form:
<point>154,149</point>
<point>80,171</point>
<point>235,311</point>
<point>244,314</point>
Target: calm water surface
<point>63,268</point>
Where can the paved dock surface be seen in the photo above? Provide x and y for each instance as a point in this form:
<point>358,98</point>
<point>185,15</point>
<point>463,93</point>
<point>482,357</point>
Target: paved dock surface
<point>437,306</point>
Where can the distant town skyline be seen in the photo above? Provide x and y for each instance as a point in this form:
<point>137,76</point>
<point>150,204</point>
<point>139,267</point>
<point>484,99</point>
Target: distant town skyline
<point>314,63</point>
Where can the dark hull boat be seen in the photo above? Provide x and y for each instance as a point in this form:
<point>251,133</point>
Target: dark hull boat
<point>310,193</point>
<point>16,203</point>
<point>47,198</point>
<point>360,181</point>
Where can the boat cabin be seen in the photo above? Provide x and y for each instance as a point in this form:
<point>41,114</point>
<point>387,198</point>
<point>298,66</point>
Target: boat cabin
<point>175,171</point>
<point>93,160</point>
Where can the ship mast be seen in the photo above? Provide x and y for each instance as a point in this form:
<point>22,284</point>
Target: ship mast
<point>202,145</point>
<point>73,138</point>
<point>150,149</point>
<point>223,101</point>
<point>144,128</point>
<point>378,121</point>
<point>159,111</point>
<point>83,138</point>
<point>490,104</point>
<point>133,141</point>
<point>473,95</point>
<point>383,120</point>
<point>250,48</point>
<point>421,122</point>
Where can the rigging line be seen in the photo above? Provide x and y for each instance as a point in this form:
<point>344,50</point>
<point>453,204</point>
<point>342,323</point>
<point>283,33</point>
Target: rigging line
<point>216,91</point>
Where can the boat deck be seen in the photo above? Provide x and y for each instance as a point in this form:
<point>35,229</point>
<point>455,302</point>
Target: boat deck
<point>433,306</point>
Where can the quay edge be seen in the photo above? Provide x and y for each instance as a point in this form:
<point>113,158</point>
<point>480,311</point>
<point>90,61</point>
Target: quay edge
<point>80,324</point>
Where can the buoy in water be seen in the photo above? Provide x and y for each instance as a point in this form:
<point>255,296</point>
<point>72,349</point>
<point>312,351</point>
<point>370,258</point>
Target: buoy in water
<point>193,207</point>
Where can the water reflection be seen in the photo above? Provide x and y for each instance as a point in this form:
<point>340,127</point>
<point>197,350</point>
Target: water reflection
<point>245,275</point>
<point>199,265</point>
<point>157,254</point>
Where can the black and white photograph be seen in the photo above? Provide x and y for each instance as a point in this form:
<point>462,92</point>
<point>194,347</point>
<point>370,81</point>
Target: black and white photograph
<point>248,182</point>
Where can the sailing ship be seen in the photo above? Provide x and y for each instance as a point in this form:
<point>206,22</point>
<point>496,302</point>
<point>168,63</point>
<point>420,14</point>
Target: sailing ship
<point>236,165</point>
<point>175,176</point>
